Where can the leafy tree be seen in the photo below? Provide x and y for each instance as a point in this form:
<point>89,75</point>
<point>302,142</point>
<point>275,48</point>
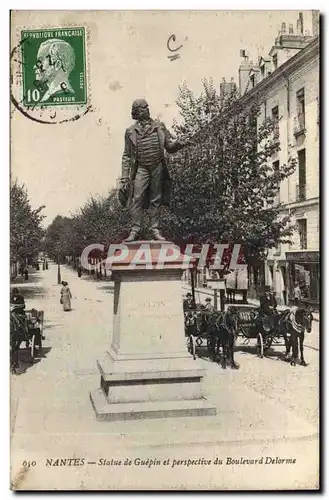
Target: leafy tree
<point>198,111</point>
<point>26,231</point>
<point>224,183</point>
<point>99,220</point>
<point>57,240</point>
<point>104,220</point>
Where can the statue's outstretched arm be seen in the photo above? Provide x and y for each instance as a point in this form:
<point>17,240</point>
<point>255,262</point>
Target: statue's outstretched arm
<point>170,145</point>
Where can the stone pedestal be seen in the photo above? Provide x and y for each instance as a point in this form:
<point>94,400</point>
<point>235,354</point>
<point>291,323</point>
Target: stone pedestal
<point>148,372</point>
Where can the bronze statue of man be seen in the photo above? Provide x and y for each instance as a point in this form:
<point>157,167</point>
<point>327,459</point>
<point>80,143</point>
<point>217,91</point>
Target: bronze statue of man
<point>145,174</point>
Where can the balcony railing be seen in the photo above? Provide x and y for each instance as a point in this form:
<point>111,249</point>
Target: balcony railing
<point>300,192</point>
<point>299,124</point>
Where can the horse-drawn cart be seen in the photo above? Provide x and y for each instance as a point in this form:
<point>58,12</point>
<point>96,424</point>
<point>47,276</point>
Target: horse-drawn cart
<point>266,329</point>
<point>221,329</point>
<point>249,327</point>
<point>25,327</point>
<point>216,329</point>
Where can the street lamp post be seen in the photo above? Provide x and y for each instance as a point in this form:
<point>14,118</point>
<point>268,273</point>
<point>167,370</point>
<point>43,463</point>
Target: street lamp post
<point>193,283</point>
<point>216,299</point>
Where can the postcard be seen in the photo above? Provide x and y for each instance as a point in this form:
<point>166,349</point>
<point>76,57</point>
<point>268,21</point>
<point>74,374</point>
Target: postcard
<point>164,250</point>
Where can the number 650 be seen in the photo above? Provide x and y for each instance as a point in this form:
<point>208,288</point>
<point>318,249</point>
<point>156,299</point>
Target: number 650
<point>27,463</point>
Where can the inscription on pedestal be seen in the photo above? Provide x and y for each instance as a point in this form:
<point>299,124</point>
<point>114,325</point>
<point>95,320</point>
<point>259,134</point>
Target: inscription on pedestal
<point>150,316</point>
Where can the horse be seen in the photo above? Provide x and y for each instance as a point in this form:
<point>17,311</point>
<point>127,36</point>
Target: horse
<point>223,328</point>
<point>294,323</point>
<point>196,325</point>
<point>268,325</point>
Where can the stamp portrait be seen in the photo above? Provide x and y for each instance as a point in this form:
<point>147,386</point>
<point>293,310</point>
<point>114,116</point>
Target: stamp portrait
<point>54,67</point>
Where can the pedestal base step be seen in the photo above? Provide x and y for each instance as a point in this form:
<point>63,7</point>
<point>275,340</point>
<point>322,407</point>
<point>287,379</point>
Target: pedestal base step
<point>136,411</point>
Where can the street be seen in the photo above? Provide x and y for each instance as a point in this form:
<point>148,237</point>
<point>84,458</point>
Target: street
<point>266,408</point>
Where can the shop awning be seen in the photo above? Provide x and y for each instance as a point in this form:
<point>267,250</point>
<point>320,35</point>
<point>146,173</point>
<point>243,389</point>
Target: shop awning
<point>303,256</point>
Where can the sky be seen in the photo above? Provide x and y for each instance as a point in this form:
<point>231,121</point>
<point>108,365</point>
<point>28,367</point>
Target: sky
<point>63,165</point>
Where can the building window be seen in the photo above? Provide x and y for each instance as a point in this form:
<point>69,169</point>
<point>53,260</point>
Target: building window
<point>275,113</point>
<point>300,95</point>
<point>299,122</point>
<point>275,118</point>
<point>252,80</point>
<point>262,70</point>
<point>302,229</point>
<point>275,61</point>
<point>301,186</point>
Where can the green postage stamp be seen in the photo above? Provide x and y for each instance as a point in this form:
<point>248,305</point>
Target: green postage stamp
<point>54,67</point>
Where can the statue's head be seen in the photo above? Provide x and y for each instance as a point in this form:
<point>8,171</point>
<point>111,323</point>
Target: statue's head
<point>140,110</point>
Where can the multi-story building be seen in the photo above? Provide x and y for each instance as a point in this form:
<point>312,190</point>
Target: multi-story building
<point>286,83</point>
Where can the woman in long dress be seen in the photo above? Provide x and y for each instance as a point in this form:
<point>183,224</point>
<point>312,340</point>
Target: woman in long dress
<point>66,296</point>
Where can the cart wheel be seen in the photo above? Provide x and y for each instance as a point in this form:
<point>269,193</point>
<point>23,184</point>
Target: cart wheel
<point>32,352</point>
<point>268,343</point>
<point>260,345</point>
<point>199,341</point>
<point>192,346</point>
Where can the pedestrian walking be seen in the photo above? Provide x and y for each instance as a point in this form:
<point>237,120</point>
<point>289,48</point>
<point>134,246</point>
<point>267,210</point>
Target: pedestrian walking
<point>66,296</point>
<point>79,271</point>
<point>26,274</point>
